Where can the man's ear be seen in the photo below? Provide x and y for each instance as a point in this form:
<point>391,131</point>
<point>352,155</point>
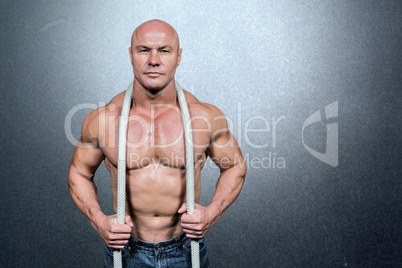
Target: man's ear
<point>179,57</point>
<point>131,55</point>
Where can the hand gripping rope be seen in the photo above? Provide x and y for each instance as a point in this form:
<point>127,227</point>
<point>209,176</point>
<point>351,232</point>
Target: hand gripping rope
<point>121,168</point>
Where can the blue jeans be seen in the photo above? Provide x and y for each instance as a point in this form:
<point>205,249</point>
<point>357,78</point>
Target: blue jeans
<point>175,253</point>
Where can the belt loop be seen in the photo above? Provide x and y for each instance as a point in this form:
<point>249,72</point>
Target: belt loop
<point>179,242</point>
<point>133,244</point>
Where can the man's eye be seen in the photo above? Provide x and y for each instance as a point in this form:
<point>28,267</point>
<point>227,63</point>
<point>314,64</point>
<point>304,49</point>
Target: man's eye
<point>164,51</point>
<point>143,50</point>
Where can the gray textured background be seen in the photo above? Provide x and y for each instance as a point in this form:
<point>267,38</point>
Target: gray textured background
<point>251,58</point>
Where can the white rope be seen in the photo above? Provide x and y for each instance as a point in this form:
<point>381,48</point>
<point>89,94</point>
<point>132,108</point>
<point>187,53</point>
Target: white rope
<point>121,168</point>
<point>188,138</point>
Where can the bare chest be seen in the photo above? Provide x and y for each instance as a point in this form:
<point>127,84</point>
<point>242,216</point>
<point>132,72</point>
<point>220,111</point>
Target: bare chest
<point>155,140</point>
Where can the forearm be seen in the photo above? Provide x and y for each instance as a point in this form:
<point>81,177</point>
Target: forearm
<point>84,194</point>
<point>227,190</point>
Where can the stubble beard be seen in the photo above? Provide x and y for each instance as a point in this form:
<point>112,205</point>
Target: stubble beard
<point>154,86</point>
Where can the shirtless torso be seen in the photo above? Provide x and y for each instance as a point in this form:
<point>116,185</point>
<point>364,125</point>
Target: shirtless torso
<point>156,161</point>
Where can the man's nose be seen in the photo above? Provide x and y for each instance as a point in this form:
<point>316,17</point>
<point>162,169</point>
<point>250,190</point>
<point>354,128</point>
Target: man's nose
<point>154,58</point>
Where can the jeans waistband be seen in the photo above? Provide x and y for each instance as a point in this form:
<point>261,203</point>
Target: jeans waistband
<point>158,247</point>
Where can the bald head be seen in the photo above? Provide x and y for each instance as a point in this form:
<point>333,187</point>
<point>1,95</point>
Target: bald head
<point>155,29</point>
<point>155,54</point>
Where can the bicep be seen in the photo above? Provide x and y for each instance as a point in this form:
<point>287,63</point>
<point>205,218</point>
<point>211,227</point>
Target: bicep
<point>86,159</point>
<point>87,155</point>
<point>224,150</point>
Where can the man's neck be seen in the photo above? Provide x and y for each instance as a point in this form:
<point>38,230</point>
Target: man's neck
<point>144,99</point>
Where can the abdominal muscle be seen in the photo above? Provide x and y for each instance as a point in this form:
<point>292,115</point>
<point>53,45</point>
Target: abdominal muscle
<point>154,195</point>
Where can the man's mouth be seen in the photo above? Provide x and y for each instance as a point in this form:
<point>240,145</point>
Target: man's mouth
<point>153,74</point>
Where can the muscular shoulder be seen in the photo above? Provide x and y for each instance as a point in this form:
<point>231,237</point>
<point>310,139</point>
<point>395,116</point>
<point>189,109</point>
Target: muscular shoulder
<point>208,113</point>
<point>95,122</point>
<point>198,108</point>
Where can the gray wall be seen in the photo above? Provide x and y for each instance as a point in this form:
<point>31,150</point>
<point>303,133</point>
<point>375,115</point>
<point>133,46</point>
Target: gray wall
<point>255,60</point>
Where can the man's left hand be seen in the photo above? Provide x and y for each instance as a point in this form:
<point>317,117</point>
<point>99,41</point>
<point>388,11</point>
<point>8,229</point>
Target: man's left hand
<point>197,224</point>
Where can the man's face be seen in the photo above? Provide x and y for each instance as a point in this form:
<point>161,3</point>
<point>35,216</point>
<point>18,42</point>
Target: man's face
<point>155,55</point>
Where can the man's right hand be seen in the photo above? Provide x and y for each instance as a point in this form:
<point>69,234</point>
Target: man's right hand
<point>114,234</point>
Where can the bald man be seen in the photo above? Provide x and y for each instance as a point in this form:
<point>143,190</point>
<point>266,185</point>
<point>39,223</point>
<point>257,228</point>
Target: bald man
<point>157,230</point>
